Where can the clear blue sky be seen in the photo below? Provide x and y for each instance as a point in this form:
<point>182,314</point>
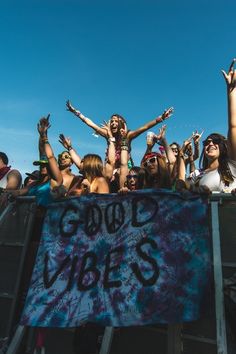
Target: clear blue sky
<point>131,57</point>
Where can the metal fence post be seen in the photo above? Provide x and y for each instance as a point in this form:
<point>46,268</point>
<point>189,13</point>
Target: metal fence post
<point>219,295</point>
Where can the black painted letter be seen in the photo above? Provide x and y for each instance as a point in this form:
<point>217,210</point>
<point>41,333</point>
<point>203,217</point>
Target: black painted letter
<point>48,283</point>
<point>93,219</point>
<point>73,222</point>
<point>108,269</point>
<point>135,268</point>
<point>147,203</point>
<point>114,217</point>
<point>90,269</point>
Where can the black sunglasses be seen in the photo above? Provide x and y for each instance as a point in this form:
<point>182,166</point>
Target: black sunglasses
<point>213,140</point>
<point>131,176</point>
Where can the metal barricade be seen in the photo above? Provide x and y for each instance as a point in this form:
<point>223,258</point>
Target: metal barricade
<point>205,336</point>
<point>15,230</point>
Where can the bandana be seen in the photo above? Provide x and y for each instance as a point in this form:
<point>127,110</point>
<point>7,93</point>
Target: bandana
<point>3,171</point>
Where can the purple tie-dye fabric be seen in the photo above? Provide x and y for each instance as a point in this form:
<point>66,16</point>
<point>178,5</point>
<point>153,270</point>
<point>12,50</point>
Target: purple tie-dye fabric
<point>121,260</point>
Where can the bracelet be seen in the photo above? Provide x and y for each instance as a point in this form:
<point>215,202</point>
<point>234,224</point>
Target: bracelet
<point>124,148</point>
<point>51,157</point>
<point>46,141</point>
<point>159,119</point>
<point>124,142</point>
<point>70,148</point>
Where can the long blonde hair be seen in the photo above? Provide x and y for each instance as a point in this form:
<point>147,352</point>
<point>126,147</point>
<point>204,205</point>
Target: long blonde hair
<point>92,166</point>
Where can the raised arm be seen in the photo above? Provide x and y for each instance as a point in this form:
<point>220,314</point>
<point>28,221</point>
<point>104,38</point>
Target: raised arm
<point>43,127</point>
<point>230,79</point>
<point>101,131</point>
<point>189,153</point>
<point>111,152</point>
<point>196,142</point>
<point>66,142</point>
<point>124,157</point>
<point>166,114</point>
<point>162,138</point>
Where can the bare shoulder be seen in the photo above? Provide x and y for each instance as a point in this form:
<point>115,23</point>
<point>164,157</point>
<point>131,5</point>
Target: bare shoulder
<point>14,173</point>
<point>101,185</point>
<point>14,179</point>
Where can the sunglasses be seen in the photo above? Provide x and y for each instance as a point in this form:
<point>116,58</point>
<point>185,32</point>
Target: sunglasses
<point>175,149</point>
<point>214,141</point>
<point>64,156</point>
<point>132,176</point>
<point>150,161</point>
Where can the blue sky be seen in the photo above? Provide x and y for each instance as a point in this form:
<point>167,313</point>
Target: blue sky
<point>131,57</point>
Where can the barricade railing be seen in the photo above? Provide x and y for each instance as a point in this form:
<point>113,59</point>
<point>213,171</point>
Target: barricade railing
<point>208,336</point>
<point>16,223</point>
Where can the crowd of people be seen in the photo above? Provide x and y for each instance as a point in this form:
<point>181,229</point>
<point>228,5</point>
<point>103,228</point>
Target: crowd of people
<point>172,167</point>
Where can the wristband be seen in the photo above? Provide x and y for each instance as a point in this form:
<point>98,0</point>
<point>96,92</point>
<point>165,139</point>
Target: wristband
<point>159,119</point>
<point>70,148</point>
<point>124,148</point>
<point>124,143</point>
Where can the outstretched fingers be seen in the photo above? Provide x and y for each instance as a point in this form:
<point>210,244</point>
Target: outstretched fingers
<point>231,68</point>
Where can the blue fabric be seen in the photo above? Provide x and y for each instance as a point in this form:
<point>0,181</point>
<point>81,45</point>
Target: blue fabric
<point>121,260</point>
<point>42,193</point>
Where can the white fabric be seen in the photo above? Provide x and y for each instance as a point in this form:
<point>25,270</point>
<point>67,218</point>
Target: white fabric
<point>3,181</point>
<point>212,180</point>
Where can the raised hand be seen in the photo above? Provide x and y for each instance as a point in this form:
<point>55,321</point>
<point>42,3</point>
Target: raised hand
<point>106,127</point>
<point>185,145</point>
<point>123,132</point>
<point>197,136</point>
<point>43,125</point>
<point>69,106</point>
<point>167,113</point>
<point>66,142</point>
<point>162,133</point>
<point>189,150</point>
<point>230,77</point>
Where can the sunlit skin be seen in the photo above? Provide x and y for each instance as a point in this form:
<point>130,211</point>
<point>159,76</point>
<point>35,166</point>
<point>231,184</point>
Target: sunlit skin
<point>175,150</point>
<point>211,150</point>
<point>114,124</point>
<point>152,167</point>
<point>132,181</point>
<point>64,160</point>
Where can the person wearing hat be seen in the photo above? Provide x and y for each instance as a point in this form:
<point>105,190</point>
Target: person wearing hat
<point>31,178</point>
<point>47,186</point>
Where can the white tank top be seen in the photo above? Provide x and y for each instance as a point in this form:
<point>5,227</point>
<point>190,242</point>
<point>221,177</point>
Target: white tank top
<point>3,181</point>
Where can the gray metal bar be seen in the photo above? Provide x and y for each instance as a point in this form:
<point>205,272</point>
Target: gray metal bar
<point>6,211</point>
<point>16,340</point>
<point>219,295</point>
<point>199,339</point>
<point>174,339</point>
<point>107,340</point>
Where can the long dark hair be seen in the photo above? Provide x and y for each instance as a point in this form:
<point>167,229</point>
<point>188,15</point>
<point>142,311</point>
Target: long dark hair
<point>141,176</point>
<point>223,169</point>
<point>162,178</point>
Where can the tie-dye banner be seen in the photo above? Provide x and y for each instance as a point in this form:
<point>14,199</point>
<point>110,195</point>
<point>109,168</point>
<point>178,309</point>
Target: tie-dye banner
<point>121,260</point>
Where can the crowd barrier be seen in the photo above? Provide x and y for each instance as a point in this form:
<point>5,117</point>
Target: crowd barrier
<point>207,335</point>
